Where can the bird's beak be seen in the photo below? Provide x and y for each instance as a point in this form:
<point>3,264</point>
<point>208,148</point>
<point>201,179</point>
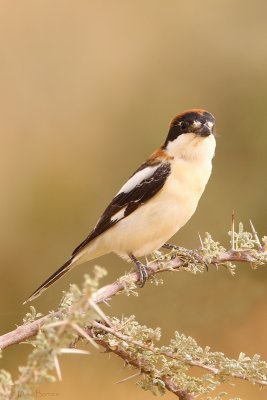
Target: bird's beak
<point>205,130</point>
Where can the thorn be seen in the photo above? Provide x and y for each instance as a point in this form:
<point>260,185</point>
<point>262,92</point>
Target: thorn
<point>106,302</point>
<point>57,367</point>
<point>55,324</point>
<point>83,333</point>
<point>73,351</point>
<point>99,312</point>
<point>27,343</point>
<point>255,235</point>
<point>127,320</point>
<point>201,242</point>
<point>128,378</point>
<point>233,231</point>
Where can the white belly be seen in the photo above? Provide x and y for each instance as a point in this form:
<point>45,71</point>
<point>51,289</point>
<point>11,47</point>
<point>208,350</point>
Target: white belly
<point>154,223</point>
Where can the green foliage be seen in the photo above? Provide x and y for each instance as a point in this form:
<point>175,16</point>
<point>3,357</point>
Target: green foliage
<point>54,339</point>
<point>129,285</point>
<point>194,261</point>
<point>177,361</point>
<point>31,316</point>
<point>243,240</point>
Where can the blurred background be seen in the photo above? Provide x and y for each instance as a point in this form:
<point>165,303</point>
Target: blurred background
<point>87,92</point>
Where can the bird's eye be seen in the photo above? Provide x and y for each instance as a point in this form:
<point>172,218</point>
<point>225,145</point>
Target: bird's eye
<point>183,125</point>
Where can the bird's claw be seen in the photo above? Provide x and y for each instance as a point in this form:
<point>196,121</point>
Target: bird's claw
<point>141,269</point>
<point>193,254</point>
<point>143,275</point>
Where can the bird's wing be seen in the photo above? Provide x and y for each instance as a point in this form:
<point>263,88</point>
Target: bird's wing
<point>142,185</point>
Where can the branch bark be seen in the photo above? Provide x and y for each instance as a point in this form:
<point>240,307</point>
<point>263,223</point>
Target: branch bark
<point>191,362</point>
<point>169,385</point>
<point>104,294</point>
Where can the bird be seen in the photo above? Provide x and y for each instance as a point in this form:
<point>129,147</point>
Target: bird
<point>156,201</point>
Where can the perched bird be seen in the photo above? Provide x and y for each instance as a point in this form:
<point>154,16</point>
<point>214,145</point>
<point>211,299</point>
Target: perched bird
<point>156,201</point>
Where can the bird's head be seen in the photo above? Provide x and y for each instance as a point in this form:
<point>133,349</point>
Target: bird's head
<point>191,133</point>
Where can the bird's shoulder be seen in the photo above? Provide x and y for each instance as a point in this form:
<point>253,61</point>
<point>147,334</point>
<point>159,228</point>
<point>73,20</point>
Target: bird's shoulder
<point>142,185</point>
<point>159,156</point>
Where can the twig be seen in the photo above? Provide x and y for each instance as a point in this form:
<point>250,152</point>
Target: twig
<point>193,363</point>
<point>26,331</point>
<point>255,234</point>
<point>169,385</point>
<point>233,231</point>
<point>201,241</point>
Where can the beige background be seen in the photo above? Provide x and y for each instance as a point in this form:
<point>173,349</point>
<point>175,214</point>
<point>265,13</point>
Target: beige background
<point>87,92</point>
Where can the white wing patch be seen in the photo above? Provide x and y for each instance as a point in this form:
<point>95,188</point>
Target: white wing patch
<point>119,215</point>
<point>137,178</point>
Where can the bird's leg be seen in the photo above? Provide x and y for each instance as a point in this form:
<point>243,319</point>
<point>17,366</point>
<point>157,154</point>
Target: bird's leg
<point>141,269</point>
<point>190,253</point>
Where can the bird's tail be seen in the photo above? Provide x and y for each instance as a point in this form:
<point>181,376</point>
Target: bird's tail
<point>91,251</point>
<point>53,278</point>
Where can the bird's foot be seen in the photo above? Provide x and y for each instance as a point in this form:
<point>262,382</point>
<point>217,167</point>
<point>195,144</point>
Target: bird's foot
<point>141,269</point>
<point>192,254</point>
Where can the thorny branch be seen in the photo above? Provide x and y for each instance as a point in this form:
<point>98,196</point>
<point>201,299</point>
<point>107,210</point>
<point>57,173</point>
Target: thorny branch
<point>242,250</point>
<point>169,385</point>
<point>193,363</point>
<point>104,294</point>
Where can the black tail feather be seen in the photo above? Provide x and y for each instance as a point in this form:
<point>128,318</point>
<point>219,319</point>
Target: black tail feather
<point>53,278</point>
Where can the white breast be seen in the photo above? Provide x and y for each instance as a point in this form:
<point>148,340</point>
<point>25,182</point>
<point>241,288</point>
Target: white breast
<point>155,222</point>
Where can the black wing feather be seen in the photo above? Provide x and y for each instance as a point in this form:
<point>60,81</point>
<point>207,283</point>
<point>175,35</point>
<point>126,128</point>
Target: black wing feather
<point>133,199</point>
